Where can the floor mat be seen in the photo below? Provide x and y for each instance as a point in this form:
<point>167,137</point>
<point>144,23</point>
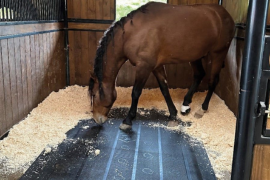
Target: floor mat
<point>142,153</point>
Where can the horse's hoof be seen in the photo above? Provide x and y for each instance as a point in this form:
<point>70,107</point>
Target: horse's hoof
<point>173,123</point>
<point>185,110</point>
<point>125,127</point>
<point>199,114</point>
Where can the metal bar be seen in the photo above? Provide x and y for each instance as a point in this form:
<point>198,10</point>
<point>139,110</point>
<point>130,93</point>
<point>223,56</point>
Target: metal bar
<point>15,11</point>
<point>249,86</point>
<point>66,43</point>
<point>58,10</point>
<point>43,6</point>
<point>3,15</point>
<point>50,11</point>
<point>61,10</point>
<point>8,10</point>
<point>54,10</point>
<point>75,20</point>
<point>91,30</point>
<point>27,22</point>
<point>31,11</point>
<point>220,2</point>
<point>29,34</point>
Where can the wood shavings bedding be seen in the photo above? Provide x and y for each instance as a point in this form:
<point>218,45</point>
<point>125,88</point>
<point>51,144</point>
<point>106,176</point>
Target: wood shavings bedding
<point>47,124</point>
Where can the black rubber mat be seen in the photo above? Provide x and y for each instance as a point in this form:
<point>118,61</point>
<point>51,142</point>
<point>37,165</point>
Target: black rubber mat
<point>143,153</point>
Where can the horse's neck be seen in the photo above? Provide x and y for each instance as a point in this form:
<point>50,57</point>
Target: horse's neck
<point>112,63</point>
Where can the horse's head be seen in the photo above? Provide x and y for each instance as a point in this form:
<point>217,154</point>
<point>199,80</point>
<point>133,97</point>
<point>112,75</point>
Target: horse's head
<point>102,98</point>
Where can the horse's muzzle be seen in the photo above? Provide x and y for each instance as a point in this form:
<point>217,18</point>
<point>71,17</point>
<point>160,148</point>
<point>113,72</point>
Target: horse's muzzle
<point>100,119</point>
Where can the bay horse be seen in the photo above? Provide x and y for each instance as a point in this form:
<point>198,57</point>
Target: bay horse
<point>152,36</point>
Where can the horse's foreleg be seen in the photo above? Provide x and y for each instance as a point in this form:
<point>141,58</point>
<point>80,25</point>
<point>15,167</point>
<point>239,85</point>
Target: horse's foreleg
<point>142,74</point>
<point>217,60</point>
<point>161,77</point>
<point>199,73</point>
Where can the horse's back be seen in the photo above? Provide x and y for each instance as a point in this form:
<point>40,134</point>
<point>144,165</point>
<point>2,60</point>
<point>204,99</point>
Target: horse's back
<point>173,32</point>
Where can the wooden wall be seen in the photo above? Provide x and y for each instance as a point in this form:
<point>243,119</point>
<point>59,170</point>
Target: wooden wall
<point>31,67</point>
<point>84,37</point>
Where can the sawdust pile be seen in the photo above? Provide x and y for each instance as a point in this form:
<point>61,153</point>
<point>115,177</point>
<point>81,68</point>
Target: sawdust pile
<point>44,127</point>
<point>47,124</point>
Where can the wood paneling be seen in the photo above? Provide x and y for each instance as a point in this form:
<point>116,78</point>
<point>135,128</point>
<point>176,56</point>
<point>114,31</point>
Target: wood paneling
<point>83,44</point>
<point>29,28</point>
<point>91,9</point>
<point>31,67</point>
<point>229,84</point>
<point>261,165</point>
<point>88,26</point>
<point>3,122</point>
<point>7,86</point>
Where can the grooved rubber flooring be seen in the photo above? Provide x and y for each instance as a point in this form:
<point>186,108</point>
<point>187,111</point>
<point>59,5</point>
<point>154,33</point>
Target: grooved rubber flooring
<point>143,153</point>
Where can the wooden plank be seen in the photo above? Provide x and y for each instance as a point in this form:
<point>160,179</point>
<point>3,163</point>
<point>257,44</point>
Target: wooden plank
<point>13,81</point>
<point>29,72</point>
<point>83,65</point>
<point>41,78</point>
<point>112,9</point>
<point>33,70</point>
<point>70,9</point>
<point>88,26</point>
<point>173,2</point>
<point>19,78</point>
<point>62,61</point>
<point>53,60</point>
<point>71,35</point>
<point>99,9</point>
<point>38,70</point>
<point>91,9</point>
<point>46,65</point>
<point>49,61</point>
<point>20,29</point>
<point>77,8</point>
<point>3,127</point>
<point>84,9</point>
<point>77,56</point>
<point>24,76</point>
<point>261,165</point>
<point>7,85</point>
<point>106,14</point>
<point>92,47</point>
<point>59,61</point>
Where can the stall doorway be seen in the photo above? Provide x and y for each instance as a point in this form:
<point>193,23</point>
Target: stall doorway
<point>123,7</point>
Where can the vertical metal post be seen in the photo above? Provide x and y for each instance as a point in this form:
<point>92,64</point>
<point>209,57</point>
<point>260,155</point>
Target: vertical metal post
<point>66,43</point>
<point>249,86</point>
<point>219,2</point>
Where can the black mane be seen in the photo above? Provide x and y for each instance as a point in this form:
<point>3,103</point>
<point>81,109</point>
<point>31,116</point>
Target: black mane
<point>107,37</point>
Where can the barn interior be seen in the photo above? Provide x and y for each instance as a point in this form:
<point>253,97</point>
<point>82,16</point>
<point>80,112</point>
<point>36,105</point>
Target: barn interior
<point>49,47</point>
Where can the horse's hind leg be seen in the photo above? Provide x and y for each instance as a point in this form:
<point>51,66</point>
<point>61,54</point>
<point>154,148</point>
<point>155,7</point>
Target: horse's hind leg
<point>217,61</point>
<point>142,74</point>
<point>161,77</point>
<point>199,73</point>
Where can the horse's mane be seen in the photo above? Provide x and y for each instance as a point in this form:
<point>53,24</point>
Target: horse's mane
<point>103,43</point>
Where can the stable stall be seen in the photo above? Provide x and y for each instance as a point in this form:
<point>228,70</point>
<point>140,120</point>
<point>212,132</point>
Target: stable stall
<point>47,53</point>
